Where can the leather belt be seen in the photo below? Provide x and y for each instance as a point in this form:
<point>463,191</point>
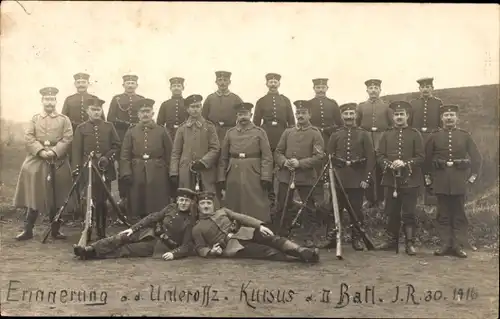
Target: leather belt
<point>146,157</point>
<point>423,129</point>
<point>96,155</point>
<point>224,124</point>
<point>374,129</point>
<point>245,155</point>
<point>48,143</point>
<point>273,122</point>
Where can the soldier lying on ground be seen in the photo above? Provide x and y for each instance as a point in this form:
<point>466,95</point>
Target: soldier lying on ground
<point>165,234</point>
<point>230,234</point>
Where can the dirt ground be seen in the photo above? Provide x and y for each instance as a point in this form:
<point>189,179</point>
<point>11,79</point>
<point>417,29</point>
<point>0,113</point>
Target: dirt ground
<point>226,287</point>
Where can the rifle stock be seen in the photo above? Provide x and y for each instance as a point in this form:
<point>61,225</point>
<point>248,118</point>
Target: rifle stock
<point>336,212</point>
<point>291,187</point>
<point>87,229</point>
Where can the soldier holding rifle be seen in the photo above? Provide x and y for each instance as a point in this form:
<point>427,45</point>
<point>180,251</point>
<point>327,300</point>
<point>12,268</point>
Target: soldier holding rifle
<point>299,151</point>
<point>196,148</point>
<point>45,172</point>
<point>172,112</point>
<point>100,137</point>
<point>246,166</point>
<point>452,161</point>
<point>164,234</point>
<point>354,159</point>
<point>401,154</point>
<point>144,162</point>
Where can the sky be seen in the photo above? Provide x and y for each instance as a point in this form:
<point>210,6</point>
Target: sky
<point>457,44</point>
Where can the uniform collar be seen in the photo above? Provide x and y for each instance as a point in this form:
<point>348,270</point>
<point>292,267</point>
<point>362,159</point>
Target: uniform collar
<point>194,121</point>
<point>206,216</point>
<point>247,127</point>
<point>321,97</point>
<point>303,127</point>
<point>177,97</point>
<point>149,125</point>
<point>53,114</point>
<point>401,127</point>
<point>450,129</point>
<point>273,93</point>
<point>96,122</point>
<point>219,93</point>
<point>430,97</point>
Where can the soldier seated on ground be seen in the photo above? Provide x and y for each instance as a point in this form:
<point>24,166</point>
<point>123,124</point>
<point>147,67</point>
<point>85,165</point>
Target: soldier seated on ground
<point>229,234</point>
<point>165,234</point>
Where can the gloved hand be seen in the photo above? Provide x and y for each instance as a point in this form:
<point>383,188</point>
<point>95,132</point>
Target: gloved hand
<point>174,183</point>
<point>266,185</point>
<point>198,166</point>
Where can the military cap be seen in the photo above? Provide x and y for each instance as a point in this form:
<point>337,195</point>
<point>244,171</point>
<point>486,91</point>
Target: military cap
<point>448,108</point>
<point>348,107</point>
<point>130,77</point>
<point>400,105</point>
<point>245,106</point>
<point>94,101</point>
<point>192,99</point>
<point>81,76</point>
<point>273,76</point>
<point>223,74</point>
<point>186,192</point>
<point>177,80</point>
<point>371,82</point>
<point>302,104</point>
<point>425,81</point>
<point>322,81</point>
<point>143,103</point>
<point>206,195</point>
<point>49,91</point>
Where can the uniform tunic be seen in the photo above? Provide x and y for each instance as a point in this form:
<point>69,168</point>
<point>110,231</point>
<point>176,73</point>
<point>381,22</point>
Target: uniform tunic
<point>218,109</point>
<point>375,117</point>
<point>33,191</point>
<point>245,160</point>
<point>325,115</point>
<point>121,113</point>
<point>74,108</point>
<point>172,114</point>
<point>195,140</point>
<point>274,113</point>
<point>145,156</point>
<point>168,230</point>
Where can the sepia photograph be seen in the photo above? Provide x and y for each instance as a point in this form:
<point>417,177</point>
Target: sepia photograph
<point>249,159</point>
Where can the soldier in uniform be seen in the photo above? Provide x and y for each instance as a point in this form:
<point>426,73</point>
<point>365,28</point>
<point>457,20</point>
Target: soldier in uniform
<point>144,162</point>
<point>226,233</point>
<point>401,154</point>
<point>172,112</point>
<point>48,139</point>
<point>218,107</point>
<point>375,116</point>
<point>123,115</point>
<point>196,150</point>
<point>100,137</point>
<point>354,159</point>
<point>447,152</point>
<point>246,166</point>
<point>299,151</point>
<point>325,112</point>
<point>425,117</point>
<point>274,113</point>
<point>164,234</point>
<point>74,105</point>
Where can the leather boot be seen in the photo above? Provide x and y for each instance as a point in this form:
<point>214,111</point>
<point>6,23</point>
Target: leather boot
<point>84,253</point>
<point>356,243</point>
<point>459,251</point>
<point>101,213</point>
<point>331,239</point>
<point>29,223</point>
<point>55,231</point>
<point>308,255</point>
<point>444,250</point>
<point>391,243</point>
<point>410,241</point>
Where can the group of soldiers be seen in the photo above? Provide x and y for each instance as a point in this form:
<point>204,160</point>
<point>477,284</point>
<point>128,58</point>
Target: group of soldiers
<point>242,166</point>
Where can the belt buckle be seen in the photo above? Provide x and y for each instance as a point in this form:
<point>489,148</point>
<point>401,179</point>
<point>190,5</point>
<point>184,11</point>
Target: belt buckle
<point>176,126</point>
<point>321,129</point>
<point>348,163</point>
<point>145,156</point>
<point>449,164</point>
<point>230,235</point>
<point>221,123</point>
<point>424,129</point>
<point>374,129</point>
<point>242,155</point>
<point>46,143</point>
<point>274,123</point>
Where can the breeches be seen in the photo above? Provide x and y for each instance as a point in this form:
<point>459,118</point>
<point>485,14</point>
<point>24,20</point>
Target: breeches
<point>260,247</point>
<point>451,219</point>
<point>122,246</point>
<point>400,208</point>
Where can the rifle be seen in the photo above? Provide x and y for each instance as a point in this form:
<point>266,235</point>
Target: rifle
<point>87,229</point>
<point>336,212</point>
<point>397,175</point>
<point>291,187</point>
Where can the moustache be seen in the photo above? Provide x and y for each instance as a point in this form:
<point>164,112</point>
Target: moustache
<point>300,118</point>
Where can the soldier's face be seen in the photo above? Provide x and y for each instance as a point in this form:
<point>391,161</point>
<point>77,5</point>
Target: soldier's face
<point>273,85</point>
<point>194,110</point>
<point>222,83</point>
<point>400,117</point>
<point>302,116</point>
<point>320,89</point>
<point>206,206</point>
<point>183,203</point>
<point>94,112</point>
<point>145,114</point>
<point>449,118</point>
<point>373,91</point>
<point>349,116</point>
<point>243,117</point>
<point>176,88</point>
<point>81,85</point>
<point>130,86</point>
<point>426,90</point>
<point>49,103</point>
